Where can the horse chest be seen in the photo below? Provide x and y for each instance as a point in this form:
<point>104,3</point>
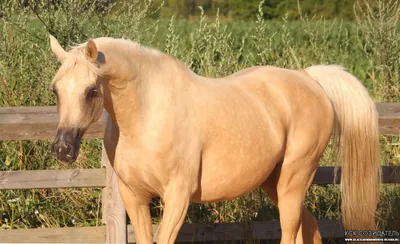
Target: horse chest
<point>139,169</point>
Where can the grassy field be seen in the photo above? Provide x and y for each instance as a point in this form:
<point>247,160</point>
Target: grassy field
<point>368,48</point>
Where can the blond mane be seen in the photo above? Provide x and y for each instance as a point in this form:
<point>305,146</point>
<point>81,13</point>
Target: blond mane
<point>76,54</point>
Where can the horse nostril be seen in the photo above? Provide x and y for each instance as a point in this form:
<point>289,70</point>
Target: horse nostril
<point>68,148</point>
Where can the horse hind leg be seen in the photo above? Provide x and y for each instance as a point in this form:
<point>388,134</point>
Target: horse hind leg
<point>308,231</point>
<point>293,178</point>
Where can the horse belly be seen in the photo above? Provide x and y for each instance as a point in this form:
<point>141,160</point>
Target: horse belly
<point>232,172</point>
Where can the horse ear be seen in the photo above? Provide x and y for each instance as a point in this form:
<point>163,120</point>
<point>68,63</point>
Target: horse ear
<point>57,49</point>
<point>91,50</point>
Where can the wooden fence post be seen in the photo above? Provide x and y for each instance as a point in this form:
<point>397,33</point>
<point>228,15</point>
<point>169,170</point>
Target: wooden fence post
<point>114,215</point>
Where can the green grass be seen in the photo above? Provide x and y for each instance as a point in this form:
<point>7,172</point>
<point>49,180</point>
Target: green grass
<point>367,48</point>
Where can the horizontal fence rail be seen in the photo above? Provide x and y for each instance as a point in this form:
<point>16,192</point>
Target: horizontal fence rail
<point>33,123</point>
<point>40,123</point>
<point>260,230</point>
<point>55,235</point>
<point>90,178</point>
<point>37,123</point>
<point>389,118</point>
<point>38,179</point>
<point>257,230</point>
<point>325,175</point>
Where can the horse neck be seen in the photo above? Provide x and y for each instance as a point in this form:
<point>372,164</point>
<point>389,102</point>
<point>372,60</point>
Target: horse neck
<point>132,91</point>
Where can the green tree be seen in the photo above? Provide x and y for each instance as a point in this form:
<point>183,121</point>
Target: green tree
<point>243,9</point>
<point>223,5</point>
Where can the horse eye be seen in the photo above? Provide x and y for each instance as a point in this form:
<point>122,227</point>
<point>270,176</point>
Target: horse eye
<point>92,93</point>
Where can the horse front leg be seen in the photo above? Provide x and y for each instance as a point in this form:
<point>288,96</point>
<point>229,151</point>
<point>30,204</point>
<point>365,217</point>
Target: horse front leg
<point>138,210</point>
<point>176,199</point>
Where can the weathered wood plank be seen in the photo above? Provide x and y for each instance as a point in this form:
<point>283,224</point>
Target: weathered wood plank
<point>114,215</point>
<point>55,235</point>
<point>389,118</point>
<point>35,179</point>
<point>388,110</point>
<point>325,175</point>
<point>260,230</point>
<point>31,123</point>
<point>28,110</point>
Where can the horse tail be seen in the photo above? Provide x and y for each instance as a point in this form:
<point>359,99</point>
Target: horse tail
<point>356,134</point>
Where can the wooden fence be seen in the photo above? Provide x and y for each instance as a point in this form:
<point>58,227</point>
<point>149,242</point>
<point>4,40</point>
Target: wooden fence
<point>40,123</point>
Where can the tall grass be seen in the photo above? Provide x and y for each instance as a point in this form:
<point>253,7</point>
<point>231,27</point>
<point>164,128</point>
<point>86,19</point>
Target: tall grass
<point>367,47</point>
<point>378,24</point>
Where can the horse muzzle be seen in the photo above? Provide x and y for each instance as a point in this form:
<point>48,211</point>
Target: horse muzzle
<point>66,144</point>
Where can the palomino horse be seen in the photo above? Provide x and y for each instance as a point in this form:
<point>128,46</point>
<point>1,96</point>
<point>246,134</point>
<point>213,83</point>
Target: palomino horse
<point>184,137</point>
